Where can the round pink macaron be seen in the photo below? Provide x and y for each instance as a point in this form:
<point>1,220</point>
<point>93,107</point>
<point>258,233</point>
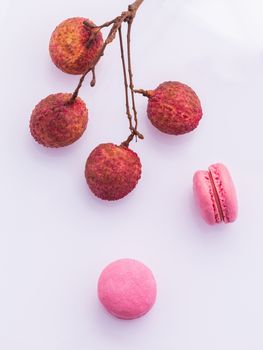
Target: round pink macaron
<point>127,289</point>
<point>215,194</point>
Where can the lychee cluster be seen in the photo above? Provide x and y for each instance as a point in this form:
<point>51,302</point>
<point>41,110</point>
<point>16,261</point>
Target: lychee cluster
<point>76,46</point>
<point>59,120</point>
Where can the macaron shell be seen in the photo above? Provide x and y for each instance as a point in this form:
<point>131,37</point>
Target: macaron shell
<point>127,289</point>
<point>205,199</point>
<point>226,191</point>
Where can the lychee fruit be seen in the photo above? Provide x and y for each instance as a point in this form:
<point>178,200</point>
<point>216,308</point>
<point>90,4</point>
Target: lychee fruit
<point>112,171</point>
<point>68,45</point>
<point>55,122</point>
<point>173,108</point>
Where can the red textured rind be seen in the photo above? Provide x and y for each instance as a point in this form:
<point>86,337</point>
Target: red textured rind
<point>112,171</point>
<point>174,108</point>
<point>68,49</point>
<point>53,123</point>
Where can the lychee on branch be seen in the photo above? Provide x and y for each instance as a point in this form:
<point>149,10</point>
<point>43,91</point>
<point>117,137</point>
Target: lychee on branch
<point>112,171</point>
<point>126,16</point>
<point>76,46</point>
<point>173,107</point>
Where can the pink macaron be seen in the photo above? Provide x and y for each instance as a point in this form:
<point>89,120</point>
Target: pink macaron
<point>215,194</point>
<point>127,289</point>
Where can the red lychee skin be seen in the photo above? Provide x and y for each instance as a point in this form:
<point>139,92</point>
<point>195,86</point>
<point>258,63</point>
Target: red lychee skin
<point>174,108</point>
<point>54,123</point>
<point>68,49</point>
<point>112,171</point>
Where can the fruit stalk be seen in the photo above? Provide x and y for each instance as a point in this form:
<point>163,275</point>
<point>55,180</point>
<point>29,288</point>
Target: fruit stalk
<point>133,129</point>
<point>128,112</point>
<point>145,93</point>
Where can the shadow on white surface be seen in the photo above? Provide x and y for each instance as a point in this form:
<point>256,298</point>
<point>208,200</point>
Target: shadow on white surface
<point>38,151</point>
<point>113,328</point>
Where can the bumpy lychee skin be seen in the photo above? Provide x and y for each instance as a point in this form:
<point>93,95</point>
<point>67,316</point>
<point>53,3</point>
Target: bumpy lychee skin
<point>112,171</point>
<point>174,108</point>
<point>68,48</point>
<point>55,123</point>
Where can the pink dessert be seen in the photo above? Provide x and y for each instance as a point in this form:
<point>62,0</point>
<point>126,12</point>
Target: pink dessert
<point>215,194</point>
<point>127,289</point>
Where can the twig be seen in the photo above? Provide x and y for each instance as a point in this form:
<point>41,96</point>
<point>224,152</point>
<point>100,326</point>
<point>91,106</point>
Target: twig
<point>131,74</point>
<point>92,26</point>
<point>125,81</point>
<point>133,129</point>
<point>134,7</point>
<point>126,16</point>
<point>146,93</point>
<point>134,132</point>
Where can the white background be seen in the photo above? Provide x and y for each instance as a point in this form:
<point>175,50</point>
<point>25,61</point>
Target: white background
<point>56,237</point>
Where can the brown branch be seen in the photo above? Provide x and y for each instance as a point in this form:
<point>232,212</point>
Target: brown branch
<point>134,132</point>
<point>92,26</point>
<point>125,81</point>
<point>126,143</point>
<point>130,73</point>
<point>134,7</point>
<point>117,22</point>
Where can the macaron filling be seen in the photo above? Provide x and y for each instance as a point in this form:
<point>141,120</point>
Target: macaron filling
<point>216,197</point>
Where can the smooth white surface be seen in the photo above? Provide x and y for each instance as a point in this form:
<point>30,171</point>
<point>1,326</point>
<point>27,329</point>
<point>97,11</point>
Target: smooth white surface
<point>56,237</point>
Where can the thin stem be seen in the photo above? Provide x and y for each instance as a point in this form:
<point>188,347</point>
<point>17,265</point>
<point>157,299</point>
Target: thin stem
<point>126,143</point>
<point>106,24</point>
<point>146,93</point>
<point>131,74</point>
<point>76,91</point>
<point>125,81</point>
<point>134,7</point>
<point>135,133</point>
